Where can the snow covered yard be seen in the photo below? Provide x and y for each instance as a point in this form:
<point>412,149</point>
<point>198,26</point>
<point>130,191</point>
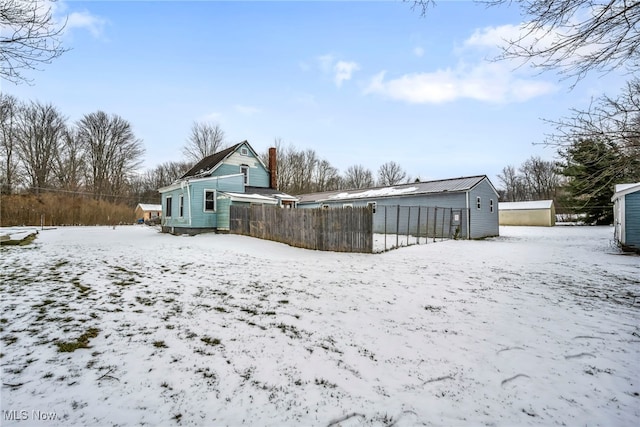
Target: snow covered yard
<point>126,326</point>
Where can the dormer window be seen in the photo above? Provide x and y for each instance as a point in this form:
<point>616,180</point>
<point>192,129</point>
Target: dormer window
<point>244,169</point>
<point>244,151</point>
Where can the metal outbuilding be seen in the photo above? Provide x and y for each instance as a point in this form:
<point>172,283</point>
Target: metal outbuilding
<point>626,214</point>
<point>541,213</point>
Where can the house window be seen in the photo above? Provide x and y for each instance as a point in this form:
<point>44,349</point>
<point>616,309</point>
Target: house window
<point>167,208</point>
<point>478,202</point>
<point>491,205</point>
<point>209,200</point>
<point>181,206</point>
<point>244,169</point>
<point>244,151</point>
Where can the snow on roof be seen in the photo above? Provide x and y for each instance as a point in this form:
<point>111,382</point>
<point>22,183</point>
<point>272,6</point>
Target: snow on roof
<point>425,187</point>
<point>148,207</point>
<point>378,192</point>
<point>256,198</point>
<point>518,206</point>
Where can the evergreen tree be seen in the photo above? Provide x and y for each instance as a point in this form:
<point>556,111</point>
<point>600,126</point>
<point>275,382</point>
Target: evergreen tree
<point>589,166</point>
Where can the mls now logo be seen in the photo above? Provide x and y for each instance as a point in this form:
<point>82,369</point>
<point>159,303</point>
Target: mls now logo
<point>15,415</point>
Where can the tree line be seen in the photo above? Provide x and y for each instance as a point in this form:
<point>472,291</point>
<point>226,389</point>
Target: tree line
<point>596,149</point>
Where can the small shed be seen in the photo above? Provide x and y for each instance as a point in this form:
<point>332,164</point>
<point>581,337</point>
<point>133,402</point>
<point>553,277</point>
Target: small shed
<point>626,216</point>
<point>541,213</point>
<point>146,212</point>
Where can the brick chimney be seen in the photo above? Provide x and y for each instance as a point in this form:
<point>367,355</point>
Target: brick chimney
<point>273,179</point>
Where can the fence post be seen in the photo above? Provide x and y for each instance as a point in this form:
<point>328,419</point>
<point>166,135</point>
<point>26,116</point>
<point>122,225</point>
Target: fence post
<point>398,227</point>
<point>435,223</point>
<point>418,227</point>
<point>385,228</point>
<point>408,223</point>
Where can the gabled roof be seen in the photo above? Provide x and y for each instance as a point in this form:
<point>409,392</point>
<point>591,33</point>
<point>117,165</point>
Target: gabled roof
<point>624,189</point>
<point>452,185</point>
<point>210,162</point>
<point>529,205</point>
<point>147,207</point>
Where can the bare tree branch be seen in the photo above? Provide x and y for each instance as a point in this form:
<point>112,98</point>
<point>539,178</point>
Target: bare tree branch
<point>205,139</point>
<point>29,37</point>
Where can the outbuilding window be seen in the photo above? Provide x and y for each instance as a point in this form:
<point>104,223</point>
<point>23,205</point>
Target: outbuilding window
<point>209,200</point>
<point>372,205</point>
<point>478,204</point>
<point>491,205</point>
<point>167,206</point>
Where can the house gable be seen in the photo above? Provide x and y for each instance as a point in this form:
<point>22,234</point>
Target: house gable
<point>240,158</point>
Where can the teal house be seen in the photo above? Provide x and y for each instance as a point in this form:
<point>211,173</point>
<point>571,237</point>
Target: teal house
<point>626,214</point>
<point>200,200</point>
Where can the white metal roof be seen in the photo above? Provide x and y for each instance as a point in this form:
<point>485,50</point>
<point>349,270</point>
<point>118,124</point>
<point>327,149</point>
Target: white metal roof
<point>426,187</point>
<point>623,189</point>
<point>520,206</point>
<point>147,207</point>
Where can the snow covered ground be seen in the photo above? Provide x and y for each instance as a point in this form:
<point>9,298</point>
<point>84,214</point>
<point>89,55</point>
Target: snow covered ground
<point>127,326</point>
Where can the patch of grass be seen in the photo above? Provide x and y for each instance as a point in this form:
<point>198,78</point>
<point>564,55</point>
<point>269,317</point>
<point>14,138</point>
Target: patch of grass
<point>9,339</point>
<point>48,375</point>
<point>284,301</point>
<point>81,342</point>
<point>269,313</point>
<point>160,344</point>
<point>145,301</point>
<point>432,308</point>
<point>210,341</point>
<point>249,310</point>
<point>220,309</point>
<point>326,384</point>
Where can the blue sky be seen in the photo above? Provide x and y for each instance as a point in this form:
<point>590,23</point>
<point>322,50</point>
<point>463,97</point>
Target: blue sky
<point>358,82</point>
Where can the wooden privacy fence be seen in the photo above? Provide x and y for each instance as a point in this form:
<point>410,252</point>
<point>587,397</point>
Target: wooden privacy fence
<point>339,230</point>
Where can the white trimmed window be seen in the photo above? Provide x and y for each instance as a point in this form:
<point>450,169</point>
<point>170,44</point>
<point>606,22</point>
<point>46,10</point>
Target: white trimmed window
<point>181,206</point>
<point>478,204</point>
<point>167,206</point>
<point>244,151</point>
<point>244,169</point>
<point>209,200</point>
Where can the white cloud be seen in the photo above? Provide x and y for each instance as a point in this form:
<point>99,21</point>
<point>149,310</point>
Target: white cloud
<point>246,109</point>
<point>418,51</point>
<point>485,82</point>
<point>339,69</point>
<point>85,20</point>
<point>344,71</point>
<point>473,77</point>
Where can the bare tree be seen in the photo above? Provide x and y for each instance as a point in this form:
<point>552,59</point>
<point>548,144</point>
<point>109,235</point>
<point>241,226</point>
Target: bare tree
<point>112,151</point>
<point>614,121</point>
<point>9,108</point>
<point>205,139</point>
<point>541,178</point>
<point>69,163</point>
<point>391,173</point>
<point>30,36</point>
<point>39,133</point>
<point>326,177</point>
<point>512,184</point>
<point>573,36</point>
<point>357,176</point>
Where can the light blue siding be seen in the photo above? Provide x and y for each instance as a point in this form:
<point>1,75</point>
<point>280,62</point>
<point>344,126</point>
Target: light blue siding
<point>477,224</point>
<point>483,222</point>
<point>196,217</point>
<point>632,220</point>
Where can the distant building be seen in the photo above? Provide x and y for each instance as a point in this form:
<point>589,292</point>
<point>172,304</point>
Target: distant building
<point>626,216</point>
<point>541,213</point>
<point>146,212</point>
